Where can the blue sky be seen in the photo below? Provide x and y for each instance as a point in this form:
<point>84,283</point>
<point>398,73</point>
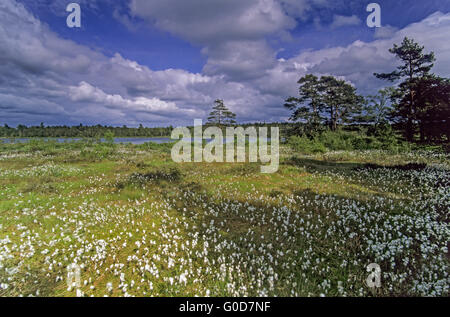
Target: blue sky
<point>164,62</point>
<point>101,30</point>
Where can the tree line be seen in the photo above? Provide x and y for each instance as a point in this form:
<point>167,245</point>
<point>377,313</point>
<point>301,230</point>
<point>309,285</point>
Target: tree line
<point>418,104</point>
<point>82,131</point>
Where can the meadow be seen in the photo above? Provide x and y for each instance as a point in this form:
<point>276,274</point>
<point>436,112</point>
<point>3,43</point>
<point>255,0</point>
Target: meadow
<point>138,224</point>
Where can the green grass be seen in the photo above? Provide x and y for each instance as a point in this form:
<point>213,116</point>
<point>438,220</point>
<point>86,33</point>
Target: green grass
<point>133,218</point>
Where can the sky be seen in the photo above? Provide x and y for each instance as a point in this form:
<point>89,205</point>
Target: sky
<point>164,62</point>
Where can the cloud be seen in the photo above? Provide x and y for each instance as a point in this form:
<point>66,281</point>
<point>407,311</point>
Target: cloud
<point>240,61</point>
<point>11,103</point>
<point>70,82</point>
<point>206,22</point>
<point>358,61</point>
<point>232,32</point>
<point>87,93</point>
<point>340,21</point>
<point>385,32</point>
<point>126,20</point>
<point>44,77</point>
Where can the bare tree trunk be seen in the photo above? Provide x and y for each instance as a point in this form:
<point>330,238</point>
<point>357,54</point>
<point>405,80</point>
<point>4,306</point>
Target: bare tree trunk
<point>409,125</point>
<point>422,131</point>
<point>332,118</point>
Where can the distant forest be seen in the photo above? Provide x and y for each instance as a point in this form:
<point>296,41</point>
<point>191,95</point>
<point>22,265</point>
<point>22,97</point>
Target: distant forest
<point>98,131</point>
<point>81,131</point>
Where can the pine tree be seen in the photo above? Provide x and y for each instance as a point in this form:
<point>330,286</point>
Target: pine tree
<point>326,100</point>
<point>415,65</point>
<point>377,109</point>
<point>307,108</point>
<point>221,115</point>
<point>432,94</point>
<point>341,101</point>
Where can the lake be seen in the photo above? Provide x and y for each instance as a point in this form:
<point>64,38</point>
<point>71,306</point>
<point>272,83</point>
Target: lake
<point>116,140</point>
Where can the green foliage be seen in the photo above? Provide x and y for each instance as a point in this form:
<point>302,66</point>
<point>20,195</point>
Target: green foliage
<point>109,138</point>
<point>81,131</point>
<point>432,114</point>
<point>152,146</point>
<point>415,62</point>
<point>377,109</point>
<point>328,101</point>
<point>306,145</point>
<point>338,140</point>
<point>221,115</point>
<point>306,108</point>
<point>419,104</point>
<point>98,152</point>
<point>347,141</point>
<point>415,65</point>
<point>155,175</point>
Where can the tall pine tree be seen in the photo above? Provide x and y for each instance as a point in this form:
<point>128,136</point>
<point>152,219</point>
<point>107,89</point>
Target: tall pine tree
<point>341,101</point>
<point>308,106</point>
<point>432,93</point>
<point>221,115</point>
<point>415,65</point>
<point>327,100</point>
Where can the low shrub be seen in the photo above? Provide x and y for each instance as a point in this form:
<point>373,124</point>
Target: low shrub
<point>306,145</point>
<point>98,152</point>
<point>152,146</point>
<point>171,174</point>
<point>337,140</point>
<point>347,141</point>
